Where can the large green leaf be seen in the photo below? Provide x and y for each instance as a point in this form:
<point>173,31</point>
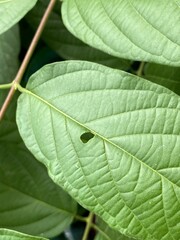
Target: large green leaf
<point>111,140</point>
<point>35,205</point>
<point>30,201</point>
<point>6,234</point>
<point>107,233</point>
<point>9,51</point>
<point>163,75</point>
<point>11,11</point>
<point>134,29</point>
<point>64,43</point>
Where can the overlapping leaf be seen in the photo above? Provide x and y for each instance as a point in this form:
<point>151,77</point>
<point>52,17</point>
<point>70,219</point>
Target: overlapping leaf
<point>64,43</point>
<point>11,11</point>
<point>9,51</point>
<point>107,233</point>
<point>127,170</point>
<point>6,234</point>
<point>30,201</point>
<point>163,75</point>
<point>138,30</point>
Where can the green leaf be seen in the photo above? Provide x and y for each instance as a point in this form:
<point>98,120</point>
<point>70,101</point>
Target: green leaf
<point>11,11</point>
<point>6,234</point>
<point>30,201</point>
<point>137,30</point>
<point>43,55</point>
<point>9,49</point>
<point>128,172</point>
<point>163,75</point>
<point>64,43</point>
<point>108,233</point>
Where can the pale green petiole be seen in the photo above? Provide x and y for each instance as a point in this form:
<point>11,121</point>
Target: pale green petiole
<point>6,86</point>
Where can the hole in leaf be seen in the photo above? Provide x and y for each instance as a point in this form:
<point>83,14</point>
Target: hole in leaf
<point>85,137</point>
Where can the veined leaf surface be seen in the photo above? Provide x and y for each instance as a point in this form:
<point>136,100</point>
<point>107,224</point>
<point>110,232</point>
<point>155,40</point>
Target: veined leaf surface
<point>9,62</point>
<point>137,30</point>
<point>11,11</point>
<point>64,43</point>
<point>6,234</point>
<point>9,49</point>
<point>111,140</point>
<point>30,201</point>
<point>107,233</point>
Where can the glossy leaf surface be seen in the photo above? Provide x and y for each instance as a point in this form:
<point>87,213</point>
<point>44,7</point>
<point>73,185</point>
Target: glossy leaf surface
<point>11,11</point>
<point>137,30</point>
<point>127,172</point>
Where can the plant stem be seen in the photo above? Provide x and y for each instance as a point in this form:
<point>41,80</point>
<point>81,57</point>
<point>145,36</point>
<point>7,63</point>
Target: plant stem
<point>92,225</point>
<point>27,58</point>
<point>100,231</point>
<point>89,221</point>
<point>140,70</point>
<point>80,218</point>
<point>6,86</point>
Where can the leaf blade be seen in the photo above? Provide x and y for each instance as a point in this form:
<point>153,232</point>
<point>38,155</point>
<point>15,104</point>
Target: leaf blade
<point>106,233</point>
<point>165,76</point>
<point>39,206</point>
<point>65,44</point>
<point>12,11</point>
<point>139,30</point>
<point>6,234</point>
<point>84,101</point>
<point>9,48</point>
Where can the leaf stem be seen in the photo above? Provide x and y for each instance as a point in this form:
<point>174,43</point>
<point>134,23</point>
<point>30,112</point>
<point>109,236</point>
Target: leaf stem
<point>6,86</point>
<point>140,69</point>
<point>92,225</point>
<point>89,221</point>
<point>80,218</point>
<point>100,231</point>
<point>27,58</point>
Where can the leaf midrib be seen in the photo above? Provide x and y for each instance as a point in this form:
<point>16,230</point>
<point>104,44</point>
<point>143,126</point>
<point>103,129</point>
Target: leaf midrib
<point>26,91</point>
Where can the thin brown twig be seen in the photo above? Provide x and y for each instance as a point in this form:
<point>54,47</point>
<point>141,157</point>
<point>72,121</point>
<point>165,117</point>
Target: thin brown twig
<point>27,58</point>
